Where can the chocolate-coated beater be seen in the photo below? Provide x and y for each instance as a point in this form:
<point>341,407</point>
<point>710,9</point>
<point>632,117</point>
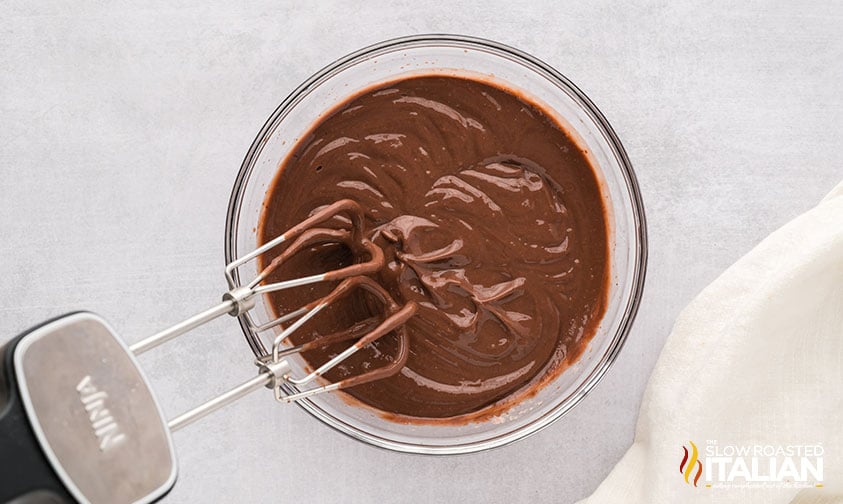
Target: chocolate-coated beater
<point>274,368</point>
<point>78,420</point>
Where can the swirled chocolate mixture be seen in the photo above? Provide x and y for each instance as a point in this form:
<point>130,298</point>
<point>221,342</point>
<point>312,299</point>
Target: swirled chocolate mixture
<point>491,219</point>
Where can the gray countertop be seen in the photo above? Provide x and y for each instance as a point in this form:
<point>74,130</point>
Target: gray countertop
<point>122,128</point>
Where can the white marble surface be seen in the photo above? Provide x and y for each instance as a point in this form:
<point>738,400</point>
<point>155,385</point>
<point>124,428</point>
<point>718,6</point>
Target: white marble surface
<point>122,128</point>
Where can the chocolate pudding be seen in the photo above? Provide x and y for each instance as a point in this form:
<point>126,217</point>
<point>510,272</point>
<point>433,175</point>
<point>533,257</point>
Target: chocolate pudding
<point>491,220</point>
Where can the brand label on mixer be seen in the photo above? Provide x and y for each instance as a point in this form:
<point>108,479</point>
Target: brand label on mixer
<point>103,424</point>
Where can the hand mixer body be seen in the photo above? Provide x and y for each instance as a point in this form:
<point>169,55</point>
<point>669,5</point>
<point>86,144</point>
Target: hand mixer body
<point>79,421</point>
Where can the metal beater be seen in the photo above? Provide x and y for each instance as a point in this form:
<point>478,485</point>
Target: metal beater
<point>239,300</point>
<point>79,421</point>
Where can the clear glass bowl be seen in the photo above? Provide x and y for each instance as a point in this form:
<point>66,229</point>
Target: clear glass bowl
<point>449,54</point>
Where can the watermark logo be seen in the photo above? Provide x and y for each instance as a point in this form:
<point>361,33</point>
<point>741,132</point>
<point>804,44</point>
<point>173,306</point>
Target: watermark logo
<point>753,465</point>
<point>691,464</point>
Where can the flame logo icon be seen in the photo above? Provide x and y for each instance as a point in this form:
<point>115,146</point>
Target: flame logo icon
<point>690,462</point>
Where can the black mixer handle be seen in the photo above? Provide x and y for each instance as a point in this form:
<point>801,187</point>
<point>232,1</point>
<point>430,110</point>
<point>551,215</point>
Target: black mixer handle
<point>27,476</point>
<point>78,422</point>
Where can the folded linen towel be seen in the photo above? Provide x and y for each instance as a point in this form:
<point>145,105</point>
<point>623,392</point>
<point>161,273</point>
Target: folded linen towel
<point>753,369</point>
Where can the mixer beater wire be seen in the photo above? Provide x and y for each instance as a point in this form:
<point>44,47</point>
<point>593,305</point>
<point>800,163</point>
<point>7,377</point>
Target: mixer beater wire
<point>275,369</point>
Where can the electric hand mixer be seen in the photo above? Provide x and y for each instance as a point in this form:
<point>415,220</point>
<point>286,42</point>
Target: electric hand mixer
<point>78,420</point>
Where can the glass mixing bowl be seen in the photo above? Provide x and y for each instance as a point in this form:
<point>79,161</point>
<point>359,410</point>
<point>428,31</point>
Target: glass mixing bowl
<point>456,55</point>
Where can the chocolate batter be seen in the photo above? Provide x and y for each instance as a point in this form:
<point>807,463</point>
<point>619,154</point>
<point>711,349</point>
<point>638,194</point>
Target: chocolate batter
<point>491,221</point>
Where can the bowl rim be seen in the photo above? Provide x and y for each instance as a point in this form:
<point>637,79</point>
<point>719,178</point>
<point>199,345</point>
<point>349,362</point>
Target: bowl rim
<point>639,263</point>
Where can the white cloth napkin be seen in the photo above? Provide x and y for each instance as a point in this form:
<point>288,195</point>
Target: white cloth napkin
<point>755,359</point>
